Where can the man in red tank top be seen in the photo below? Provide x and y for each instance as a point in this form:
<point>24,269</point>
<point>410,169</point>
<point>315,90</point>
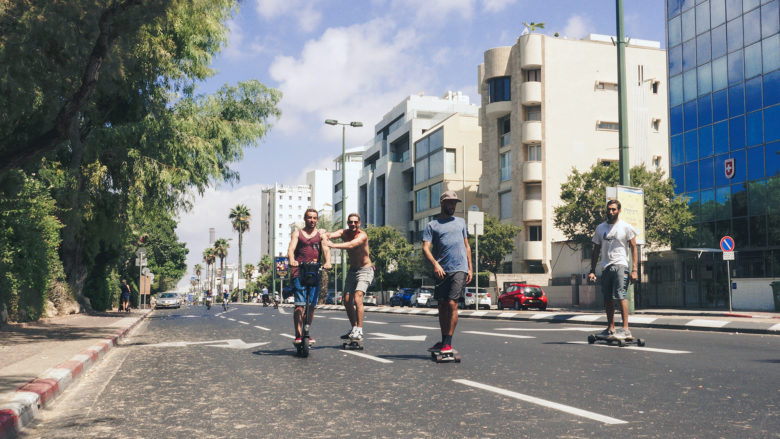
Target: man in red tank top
<point>305,246</point>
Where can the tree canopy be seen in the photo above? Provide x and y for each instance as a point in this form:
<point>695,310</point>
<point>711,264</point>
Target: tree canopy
<point>392,256</point>
<point>495,244</point>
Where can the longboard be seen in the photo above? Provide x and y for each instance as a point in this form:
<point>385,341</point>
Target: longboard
<point>438,357</point>
<point>612,340</point>
<point>353,345</point>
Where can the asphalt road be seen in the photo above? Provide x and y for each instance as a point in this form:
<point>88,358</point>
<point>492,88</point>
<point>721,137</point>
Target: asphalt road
<point>196,373</point>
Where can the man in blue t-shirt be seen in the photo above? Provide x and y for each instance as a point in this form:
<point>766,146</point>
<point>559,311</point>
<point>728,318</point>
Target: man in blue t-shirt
<point>446,246</point>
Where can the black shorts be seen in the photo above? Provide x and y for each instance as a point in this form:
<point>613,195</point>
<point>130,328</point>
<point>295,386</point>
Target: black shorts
<point>451,287</point>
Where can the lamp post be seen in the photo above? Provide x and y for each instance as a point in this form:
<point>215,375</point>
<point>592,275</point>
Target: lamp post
<point>343,187</point>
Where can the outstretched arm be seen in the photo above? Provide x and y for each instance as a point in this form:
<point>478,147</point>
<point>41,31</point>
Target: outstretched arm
<point>357,242</point>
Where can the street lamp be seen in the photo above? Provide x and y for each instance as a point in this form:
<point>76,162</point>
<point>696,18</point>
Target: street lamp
<point>343,187</point>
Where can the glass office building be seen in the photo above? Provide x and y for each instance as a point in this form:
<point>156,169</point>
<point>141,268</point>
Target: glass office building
<point>724,125</point>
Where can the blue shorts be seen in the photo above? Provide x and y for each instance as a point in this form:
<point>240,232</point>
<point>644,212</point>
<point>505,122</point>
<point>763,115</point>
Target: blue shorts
<point>300,292</point>
<point>614,282</point>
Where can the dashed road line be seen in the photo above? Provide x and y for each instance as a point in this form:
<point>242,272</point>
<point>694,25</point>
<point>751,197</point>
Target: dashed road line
<point>543,402</point>
<point>288,336</point>
<point>370,357</point>
<point>262,327</point>
<point>498,335</point>
<point>421,327</point>
<point>338,318</point>
<point>585,318</point>
<point>374,322</point>
<point>546,329</point>
<point>634,348</point>
<point>231,319</point>
<point>243,323</point>
<point>775,327</point>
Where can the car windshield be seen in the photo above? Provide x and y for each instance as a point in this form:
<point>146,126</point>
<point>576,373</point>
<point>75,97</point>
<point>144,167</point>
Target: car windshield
<point>425,291</point>
<point>168,296</point>
<point>532,290</point>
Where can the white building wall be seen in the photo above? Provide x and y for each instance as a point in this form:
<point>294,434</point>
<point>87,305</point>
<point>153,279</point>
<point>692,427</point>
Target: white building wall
<point>321,183</point>
<point>353,163</point>
<point>282,210</point>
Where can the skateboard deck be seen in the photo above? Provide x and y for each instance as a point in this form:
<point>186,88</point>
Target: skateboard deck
<point>353,345</point>
<point>612,340</point>
<point>453,356</point>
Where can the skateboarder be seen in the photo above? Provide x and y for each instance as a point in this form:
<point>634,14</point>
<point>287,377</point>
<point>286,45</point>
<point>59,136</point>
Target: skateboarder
<point>446,246</point>
<point>612,239</point>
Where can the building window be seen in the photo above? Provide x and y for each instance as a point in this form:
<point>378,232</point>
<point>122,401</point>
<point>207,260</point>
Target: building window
<point>499,89</point>
<point>655,86</point>
<point>504,129</point>
<point>533,112</point>
<point>534,233</point>
<point>657,161</point>
<point>337,207</point>
<point>608,126</point>
<point>601,85</point>
<point>656,125</point>
<point>449,161</point>
<point>533,191</point>
<point>422,199</point>
<point>337,187</point>
<point>435,194</point>
<point>533,75</point>
<point>505,205</point>
<point>534,153</point>
<point>429,157</point>
<point>506,166</point>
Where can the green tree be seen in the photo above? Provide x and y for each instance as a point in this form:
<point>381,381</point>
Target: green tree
<point>197,270</point>
<point>392,256</point>
<point>221,246</point>
<point>209,257</point>
<point>497,241</point>
<point>265,264</point>
<point>240,218</point>
<point>668,220</point>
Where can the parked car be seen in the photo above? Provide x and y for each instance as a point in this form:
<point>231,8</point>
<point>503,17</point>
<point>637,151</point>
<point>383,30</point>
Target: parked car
<point>168,300</point>
<point>402,297</point>
<point>523,296</point>
<point>470,298</point>
<point>369,299</point>
<point>330,300</point>
<point>422,296</point>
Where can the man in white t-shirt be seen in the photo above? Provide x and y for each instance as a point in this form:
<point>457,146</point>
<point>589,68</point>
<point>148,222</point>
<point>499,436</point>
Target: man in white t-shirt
<point>612,240</point>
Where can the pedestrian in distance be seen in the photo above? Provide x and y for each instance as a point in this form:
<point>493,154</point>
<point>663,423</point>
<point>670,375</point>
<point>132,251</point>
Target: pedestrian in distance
<point>124,296</point>
<point>360,274</point>
<point>612,240</point>
<point>306,245</point>
<point>446,246</point>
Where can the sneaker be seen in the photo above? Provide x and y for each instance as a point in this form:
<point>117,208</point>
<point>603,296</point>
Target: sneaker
<point>623,333</point>
<point>446,349</point>
<point>347,335</point>
<point>356,336</point>
<point>606,333</point>
<point>435,347</point>
<point>311,341</point>
<point>298,340</point>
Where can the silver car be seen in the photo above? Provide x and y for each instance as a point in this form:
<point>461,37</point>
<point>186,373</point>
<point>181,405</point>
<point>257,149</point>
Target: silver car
<point>422,296</point>
<point>168,300</point>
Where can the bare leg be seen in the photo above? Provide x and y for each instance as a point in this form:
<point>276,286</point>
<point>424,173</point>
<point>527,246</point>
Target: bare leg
<point>453,320</point>
<point>297,317</point>
<point>444,317</point>
<point>624,312</point>
<point>609,306</point>
<point>350,307</point>
<point>358,310</point>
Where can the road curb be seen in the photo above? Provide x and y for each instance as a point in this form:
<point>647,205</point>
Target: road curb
<point>636,320</point>
<point>24,404</point>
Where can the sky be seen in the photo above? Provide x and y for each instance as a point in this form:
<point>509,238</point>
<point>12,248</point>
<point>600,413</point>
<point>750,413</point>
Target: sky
<point>354,60</point>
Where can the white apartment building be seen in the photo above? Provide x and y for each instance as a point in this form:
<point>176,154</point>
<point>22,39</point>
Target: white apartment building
<point>386,184</point>
<point>550,104</point>
<point>321,183</point>
<point>282,209</point>
<point>353,164</point>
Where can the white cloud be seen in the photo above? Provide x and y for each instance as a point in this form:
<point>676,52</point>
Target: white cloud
<point>577,26</point>
<point>496,5</point>
<point>238,47</point>
<point>212,210</point>
<point>435,12</point>
<point>304,11</point>
<point>345,74</point>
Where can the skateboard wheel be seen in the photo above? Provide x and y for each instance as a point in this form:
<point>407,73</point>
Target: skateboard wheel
<point>591,339</point>
<point>640,342</point>
<point>621,343</point>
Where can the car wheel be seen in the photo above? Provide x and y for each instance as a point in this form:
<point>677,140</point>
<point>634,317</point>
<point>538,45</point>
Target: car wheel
<point>500,305</point>
<point>517,305</point>
<point>543,308</point>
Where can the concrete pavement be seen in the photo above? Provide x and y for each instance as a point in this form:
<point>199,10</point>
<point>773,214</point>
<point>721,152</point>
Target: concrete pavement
<point>40,360</point>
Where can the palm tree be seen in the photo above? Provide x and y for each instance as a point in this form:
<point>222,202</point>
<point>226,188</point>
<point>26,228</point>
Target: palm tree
<point>221,247</point>
<point>197,269</point>
<point>248,270</point>
<point>240,218</point>
<point>209,257</point>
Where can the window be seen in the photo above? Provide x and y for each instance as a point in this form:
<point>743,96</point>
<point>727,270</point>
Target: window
<point>435,194</point>
<point>336,188</point>
<point>533,191</point>
<point>657,161</point>
<point>534,233</point>
<point>656,124</point>
<point>609,126</point>
<point>655,86</point>
<point>449,161</point>
<point>499,89</point>
<point>429,157</point>
<point>505,205</point>
<point>533,75</point>
<point>504,128</point>
<point>601,85</point>
<point>422,199</point>
<point>506,166</point>
<point>337,207</point>
<point>533,113</point>
<point>534,153</point>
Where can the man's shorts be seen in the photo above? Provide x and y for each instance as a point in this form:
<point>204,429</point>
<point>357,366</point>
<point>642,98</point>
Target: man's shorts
<point>451,287</point>
<point>359,279</point>
<point>301,290</point>
<point>614,282</point>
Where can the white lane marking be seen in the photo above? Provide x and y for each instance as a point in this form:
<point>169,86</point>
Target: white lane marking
<point>498,335</point>
<point>243,323</point>
<point>381,336</point>
<point>232,320</point>
<point>585,318</point>
<point>421,327</point>
<point>288,336</point>
<point>338,318</point>
<point>507,314</point>
<point>478,313</point>
<point>541,316</point>
<point>707,323</point>
<point>320,317</point>
<point>638,319</point>
<point>222,317</point>
<point>282,311</point>
<point>543,402</point>
<point>188,317</point>
<point>262,327</point>
<point>370,357</point>
<point>375,322</point>
<point>634,348</point>
<point>253,314</point>
<point>546,329</point>
<point>775,327</point>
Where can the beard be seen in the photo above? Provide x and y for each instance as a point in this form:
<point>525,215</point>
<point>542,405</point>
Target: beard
<point>612,217</point>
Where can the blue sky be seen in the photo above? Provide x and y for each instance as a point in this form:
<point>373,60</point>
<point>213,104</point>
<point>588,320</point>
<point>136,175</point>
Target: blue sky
<point>356,59</point>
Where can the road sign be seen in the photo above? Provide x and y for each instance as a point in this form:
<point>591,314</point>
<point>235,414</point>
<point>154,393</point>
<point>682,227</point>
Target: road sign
<point>728,256</point>
<point>730,168</point>
<point>727,244</point>
<point>476,222</point>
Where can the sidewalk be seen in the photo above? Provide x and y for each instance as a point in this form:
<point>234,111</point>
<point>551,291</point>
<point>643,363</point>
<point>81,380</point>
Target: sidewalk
<point>40,360</point>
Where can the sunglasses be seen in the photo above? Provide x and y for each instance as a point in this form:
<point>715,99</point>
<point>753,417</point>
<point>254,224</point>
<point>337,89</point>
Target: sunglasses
<point>352,222</point>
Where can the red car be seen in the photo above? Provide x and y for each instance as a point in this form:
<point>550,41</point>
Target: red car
<point>523,296</point>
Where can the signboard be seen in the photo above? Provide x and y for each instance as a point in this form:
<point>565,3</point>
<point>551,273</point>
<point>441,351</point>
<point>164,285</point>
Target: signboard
<point>727,244</point>
<point>242,284</point>
<point>728,256</point>
<point>730,168</point>
<point>281,266</point>
<point>476,222</point>
<point>632,209</point>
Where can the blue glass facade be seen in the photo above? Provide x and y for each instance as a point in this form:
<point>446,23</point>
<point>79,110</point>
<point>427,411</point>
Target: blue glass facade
<point>724,98</point>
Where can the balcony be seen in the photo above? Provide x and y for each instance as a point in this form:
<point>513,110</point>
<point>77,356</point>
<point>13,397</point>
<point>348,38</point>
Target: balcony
<point>532,131</point>
<point>533,250</point>
<point>498,109</point>
<point>531,93</point>
<point>530,51</point>
<point>532,171</point>
<point>532,210</point>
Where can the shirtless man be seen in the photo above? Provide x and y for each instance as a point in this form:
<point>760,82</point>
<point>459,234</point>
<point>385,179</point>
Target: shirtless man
<point>306,245</point>
<point>360,275</point>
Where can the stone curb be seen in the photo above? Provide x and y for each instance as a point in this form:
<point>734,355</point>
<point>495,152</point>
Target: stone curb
<point>636,320</point>
<point>23,405</point>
